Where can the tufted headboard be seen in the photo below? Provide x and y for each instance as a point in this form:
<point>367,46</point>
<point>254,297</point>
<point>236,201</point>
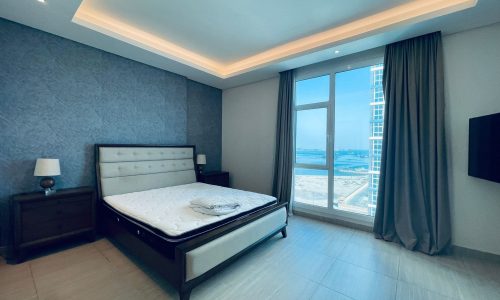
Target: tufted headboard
<point>124,169</point>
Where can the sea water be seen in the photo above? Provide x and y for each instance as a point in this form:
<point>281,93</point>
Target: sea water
<point>345,162</point>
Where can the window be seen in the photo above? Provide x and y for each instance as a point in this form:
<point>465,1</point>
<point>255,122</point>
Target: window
<point>311,137</point>
<point>340,174</point>
<point>311,160</point>
<point>378,112</point>
<point>311,186</point>
<point>314,90</point>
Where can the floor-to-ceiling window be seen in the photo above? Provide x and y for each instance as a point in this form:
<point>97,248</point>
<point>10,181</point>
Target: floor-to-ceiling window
<point>311,141</point>
<point>338,139</point>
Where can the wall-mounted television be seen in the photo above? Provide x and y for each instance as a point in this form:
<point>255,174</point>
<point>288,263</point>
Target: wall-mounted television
<point>484,147</point>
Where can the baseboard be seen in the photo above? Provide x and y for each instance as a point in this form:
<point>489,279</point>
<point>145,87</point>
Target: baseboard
<point>333,221</point>
<point>475,253</point>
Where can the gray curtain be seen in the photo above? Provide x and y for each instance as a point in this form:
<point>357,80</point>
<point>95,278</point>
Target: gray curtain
<point>283,159</point>
<point>413,206</point>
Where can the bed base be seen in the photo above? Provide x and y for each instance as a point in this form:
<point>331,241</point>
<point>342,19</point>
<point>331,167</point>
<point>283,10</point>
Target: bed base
<point>169,260</point>
<point>174,270</point>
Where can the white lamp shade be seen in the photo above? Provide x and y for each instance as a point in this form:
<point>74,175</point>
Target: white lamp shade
<point>201,159</point>
<point>47,167</point>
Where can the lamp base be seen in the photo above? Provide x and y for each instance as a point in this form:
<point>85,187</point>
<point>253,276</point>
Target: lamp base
<point>49,191</point>
<point>47,183</point>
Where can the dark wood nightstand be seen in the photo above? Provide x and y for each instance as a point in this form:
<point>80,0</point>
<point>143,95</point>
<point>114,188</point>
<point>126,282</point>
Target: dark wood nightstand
<point>39,220</point>
<point>215,177</point>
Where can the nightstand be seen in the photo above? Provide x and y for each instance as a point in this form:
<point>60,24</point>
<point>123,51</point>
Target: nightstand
<point>215,177</point>
<point>39,220</point>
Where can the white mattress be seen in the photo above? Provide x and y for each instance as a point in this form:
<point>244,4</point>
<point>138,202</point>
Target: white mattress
<point>167,209</point>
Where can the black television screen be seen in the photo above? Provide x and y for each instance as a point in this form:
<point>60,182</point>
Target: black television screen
<point>484,147</point>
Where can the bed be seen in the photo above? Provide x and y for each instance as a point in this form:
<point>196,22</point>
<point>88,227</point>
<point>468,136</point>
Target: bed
<point>143,197</point>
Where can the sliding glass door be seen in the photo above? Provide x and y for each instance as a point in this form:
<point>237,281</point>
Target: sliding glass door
<point>338,141</point>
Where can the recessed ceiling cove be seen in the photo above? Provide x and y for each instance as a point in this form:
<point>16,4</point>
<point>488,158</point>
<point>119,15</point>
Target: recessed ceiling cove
<point>227,38</point>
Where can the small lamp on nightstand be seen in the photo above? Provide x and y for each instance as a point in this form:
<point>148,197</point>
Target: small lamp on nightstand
<point>47,167</point>
<point>201,159</point>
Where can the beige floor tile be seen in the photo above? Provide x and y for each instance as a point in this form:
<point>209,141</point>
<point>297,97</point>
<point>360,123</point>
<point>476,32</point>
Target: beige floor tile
<point>308,264</point>
<point>446,261</point>
<point>101,284</point>
<point>359,283</point>
<point>376,260</point>
<point>255,286</point>
<point>270,251</point>
<point>317,261</point>
<point>432,274</point>
<point>62,259</point>
<point>323,293</point>
<point>16,282</point>
<point>476,288</point>
<point>483,268</point>
<point>118,259</point>
<point>335,247</point>
<point>294,287</point>
<point>214,288</point>
<point>103,244</point>
<point>407,291</point>
<point>367,240</point>
<point>70,268</point>
<point>149,287</point>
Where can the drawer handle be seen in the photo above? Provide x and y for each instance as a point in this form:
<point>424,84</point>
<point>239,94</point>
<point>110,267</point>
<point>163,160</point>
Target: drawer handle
<point>117,219</point>
<point>138,232</point>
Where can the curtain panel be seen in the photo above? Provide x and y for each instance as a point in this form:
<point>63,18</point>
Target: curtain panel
<point>283,159</point>
<point>413,206</point>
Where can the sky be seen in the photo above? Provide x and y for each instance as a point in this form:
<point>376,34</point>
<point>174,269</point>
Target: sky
<point>352,111</point>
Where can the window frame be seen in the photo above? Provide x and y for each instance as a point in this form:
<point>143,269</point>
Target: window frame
<point>331,67</point>
<point>310,106</point>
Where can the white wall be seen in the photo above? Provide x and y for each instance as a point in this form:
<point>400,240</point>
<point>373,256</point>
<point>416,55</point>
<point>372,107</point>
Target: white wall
<point>472,83</point>
<point>248,134</point>
<point>472,86</point>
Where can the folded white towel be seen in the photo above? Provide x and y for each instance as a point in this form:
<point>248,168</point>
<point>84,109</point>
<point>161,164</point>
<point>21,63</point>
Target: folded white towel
<point>215,202</point>
<point>217,211</point>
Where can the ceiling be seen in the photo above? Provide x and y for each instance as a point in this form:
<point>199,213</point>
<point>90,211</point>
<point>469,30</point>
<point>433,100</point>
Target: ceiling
<point>228,31</point>
<point>226,43</point>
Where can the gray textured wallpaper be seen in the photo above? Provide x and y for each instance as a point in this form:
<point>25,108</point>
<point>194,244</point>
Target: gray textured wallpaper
<point>58,98</point>
<point>205,104</point>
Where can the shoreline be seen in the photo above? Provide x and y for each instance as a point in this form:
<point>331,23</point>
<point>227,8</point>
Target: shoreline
<point>350,192</point>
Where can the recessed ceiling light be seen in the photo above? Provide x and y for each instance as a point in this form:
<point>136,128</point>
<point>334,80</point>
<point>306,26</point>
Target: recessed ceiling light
<point>41,1</point>
<point>337,51</point>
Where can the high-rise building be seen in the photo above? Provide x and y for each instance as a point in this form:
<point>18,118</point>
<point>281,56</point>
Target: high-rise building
<point>377,104</point>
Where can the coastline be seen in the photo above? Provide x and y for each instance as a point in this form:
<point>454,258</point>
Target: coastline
<point>350,192</point>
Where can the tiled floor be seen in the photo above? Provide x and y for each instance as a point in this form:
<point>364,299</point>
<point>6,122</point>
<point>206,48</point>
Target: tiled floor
<point>316,261</point>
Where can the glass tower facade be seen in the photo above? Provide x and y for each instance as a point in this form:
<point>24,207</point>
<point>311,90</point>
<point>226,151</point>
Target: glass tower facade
<point>377,105</point>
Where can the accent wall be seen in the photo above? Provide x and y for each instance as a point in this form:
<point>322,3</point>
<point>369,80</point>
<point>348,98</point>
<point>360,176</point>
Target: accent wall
<point>58,98</point>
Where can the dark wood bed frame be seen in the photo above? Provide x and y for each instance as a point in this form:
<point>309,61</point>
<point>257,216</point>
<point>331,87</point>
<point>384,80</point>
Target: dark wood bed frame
<point>133,235</point>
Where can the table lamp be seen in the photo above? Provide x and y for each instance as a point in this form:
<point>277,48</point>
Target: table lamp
<point>46,168</point>
<point>201,159</point>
